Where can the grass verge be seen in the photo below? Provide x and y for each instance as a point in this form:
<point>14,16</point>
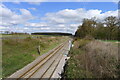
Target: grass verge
<point>16,53</point>
<point>92,59</point>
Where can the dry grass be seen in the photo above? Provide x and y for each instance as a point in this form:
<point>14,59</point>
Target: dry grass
<point>101,59</point>
<point>16,53</point>
<point>93,59</point>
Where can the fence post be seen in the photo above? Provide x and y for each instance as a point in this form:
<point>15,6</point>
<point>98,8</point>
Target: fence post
<point>38,49</point>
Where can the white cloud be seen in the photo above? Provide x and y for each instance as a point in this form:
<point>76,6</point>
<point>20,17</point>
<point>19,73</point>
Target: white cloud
<point>16,2</point>
<point>32,9</point>
<point>1,27</point>
<point>36,24</point>
<point>66,20</point>
<point>60,1</point>
<point>26,14</point>
<point>10,18</point>
<point>70,16</point>
<point>34,3</point>
<point>69,19</point>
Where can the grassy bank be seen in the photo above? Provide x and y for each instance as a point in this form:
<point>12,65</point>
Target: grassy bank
<point>111,41</point>
<point>10,36</point>
<point>92,59</point>
<point>16,53</point>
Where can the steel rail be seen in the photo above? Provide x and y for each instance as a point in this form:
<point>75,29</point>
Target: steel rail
<point>50,54</point>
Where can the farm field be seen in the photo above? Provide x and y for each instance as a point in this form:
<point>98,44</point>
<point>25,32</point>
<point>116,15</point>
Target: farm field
<point>10,36</point>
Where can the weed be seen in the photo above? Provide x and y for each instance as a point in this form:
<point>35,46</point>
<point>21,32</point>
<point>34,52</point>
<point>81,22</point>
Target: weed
<point>92,59</point>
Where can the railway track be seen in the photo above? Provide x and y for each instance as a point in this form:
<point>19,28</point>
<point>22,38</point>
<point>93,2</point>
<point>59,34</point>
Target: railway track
<point>45,67</point>
<point>51,69</point>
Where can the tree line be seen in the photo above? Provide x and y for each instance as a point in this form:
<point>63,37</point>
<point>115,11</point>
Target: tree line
<point>108,29</point>
<point>13,33</point>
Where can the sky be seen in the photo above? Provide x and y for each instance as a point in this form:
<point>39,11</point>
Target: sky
<point>52,16</point>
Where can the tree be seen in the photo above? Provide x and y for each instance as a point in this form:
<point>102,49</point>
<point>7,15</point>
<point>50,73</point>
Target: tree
<point>7,32</point>
<point>86,29</point>
<point>111,23</point>
<point>109,29</point>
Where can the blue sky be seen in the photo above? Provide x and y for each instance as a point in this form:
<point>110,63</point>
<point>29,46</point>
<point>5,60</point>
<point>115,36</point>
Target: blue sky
<point>52,16</point>
<point>46,7</point>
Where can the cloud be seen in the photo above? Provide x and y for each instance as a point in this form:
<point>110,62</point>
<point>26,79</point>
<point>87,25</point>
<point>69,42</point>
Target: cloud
<point>32,9</point>
<point>34,3</point>
<point>70,15</point>
<point>60,1</point>
<point>36,24</point>
<point>10,18</point>
<point>69,19</point>
<point>25,14</point>
<point>66,20</point>
<point>16,2</point>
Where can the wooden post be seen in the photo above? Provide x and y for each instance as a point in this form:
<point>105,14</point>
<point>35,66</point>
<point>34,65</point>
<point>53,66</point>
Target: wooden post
<point>38,49</point>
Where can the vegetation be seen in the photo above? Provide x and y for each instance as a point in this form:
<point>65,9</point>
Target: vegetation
<point>73,69</point>
<point>16,53</point>
<point>108,30</point>
<point>19,36</point>
<point>92,59</point>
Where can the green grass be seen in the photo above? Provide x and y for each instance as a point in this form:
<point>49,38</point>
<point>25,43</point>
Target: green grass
<point>110,40</point>
<point>92,59</point>
<point>16,53</point>
<point>74,69</point>
<point>15,36</point>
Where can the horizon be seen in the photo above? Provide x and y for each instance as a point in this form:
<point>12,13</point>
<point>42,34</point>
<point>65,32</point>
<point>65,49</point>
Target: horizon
<point>62,17</point>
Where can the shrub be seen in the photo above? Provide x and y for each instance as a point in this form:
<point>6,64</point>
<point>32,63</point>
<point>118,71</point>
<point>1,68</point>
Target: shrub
<point>102,59</point>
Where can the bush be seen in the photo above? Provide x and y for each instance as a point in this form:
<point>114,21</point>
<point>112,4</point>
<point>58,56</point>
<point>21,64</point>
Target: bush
<point>102,59</point>
<point>93,59</point>
<point>88,37</point>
